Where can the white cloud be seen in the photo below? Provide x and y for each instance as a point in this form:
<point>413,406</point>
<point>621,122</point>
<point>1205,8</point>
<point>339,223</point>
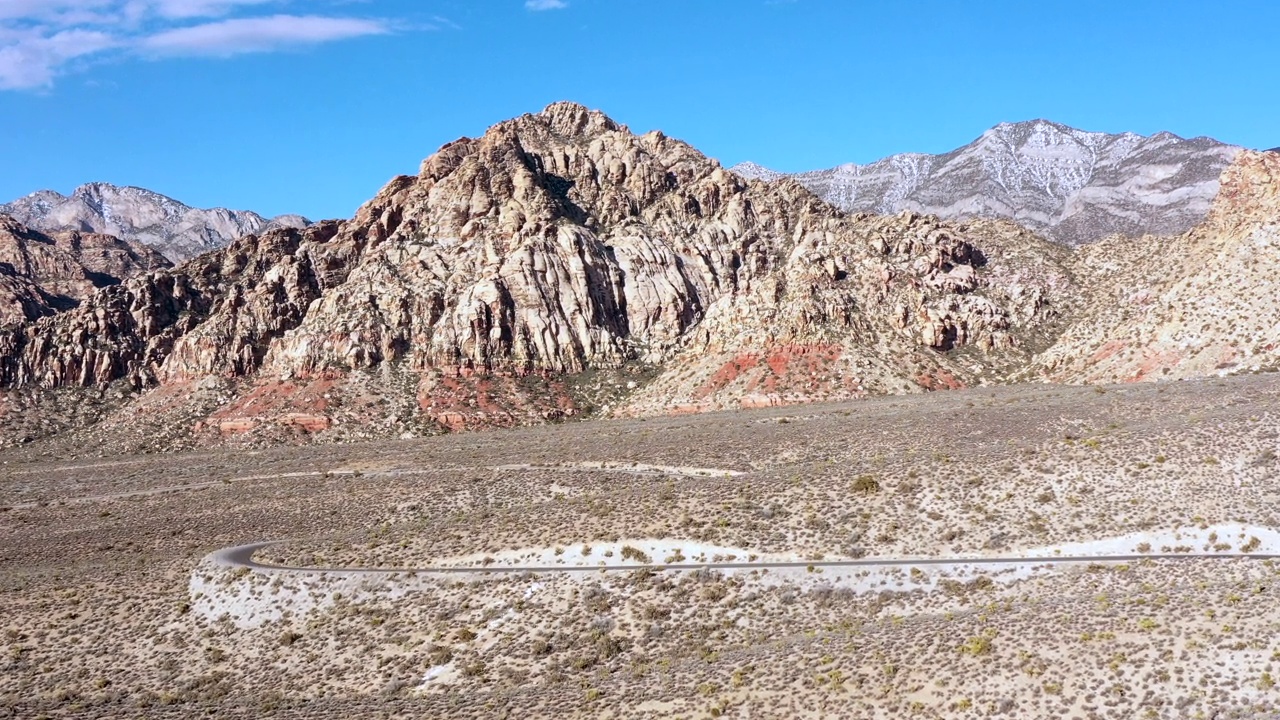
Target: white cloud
<point>200,8</point>
<point>42,39</point>
<point>538,5</point>
<point>30,60</point>
<point>259,34</point>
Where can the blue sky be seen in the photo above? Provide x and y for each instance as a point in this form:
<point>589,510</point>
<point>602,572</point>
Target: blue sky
<point>310,106</point>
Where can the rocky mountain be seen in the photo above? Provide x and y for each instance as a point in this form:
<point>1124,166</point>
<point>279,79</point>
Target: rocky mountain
<point>1072,186</point>
<point>177,231</point>
<point>41,274</point>
<point>561,265</point>
<point>556,263</point>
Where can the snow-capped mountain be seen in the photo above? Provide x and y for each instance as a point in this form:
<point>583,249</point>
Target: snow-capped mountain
<point>1071,185</point>
<point>176,230</point>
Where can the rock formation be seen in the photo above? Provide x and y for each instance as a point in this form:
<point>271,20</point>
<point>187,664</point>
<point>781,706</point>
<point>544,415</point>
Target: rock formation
<point>561,265</point>
<point>177,231</point>
<point>41,274</point>
<point>1071,186</point>
<point>560,243</point>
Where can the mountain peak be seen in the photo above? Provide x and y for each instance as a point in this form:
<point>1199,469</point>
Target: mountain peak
<point>137,214</point>
<point>1072,185</point>
<point>754,171</point>
<point>105,189</point>
<point>570,118</point>
<point>564,118</point>
<point>565,162</point>
<point>1034,124</point>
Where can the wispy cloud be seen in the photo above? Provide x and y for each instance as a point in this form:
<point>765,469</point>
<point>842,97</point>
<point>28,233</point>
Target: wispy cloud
<point>42,39</point>
<point>539,5</point>
<point>54,11</point>
<point>200,8</point>
<point>30,58</point>
<point>258,34</point>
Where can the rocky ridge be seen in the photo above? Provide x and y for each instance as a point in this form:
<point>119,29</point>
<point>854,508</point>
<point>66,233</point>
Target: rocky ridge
<point>177,231</point>
<point>558,246</point>
<point>1072,186</point>
<point>41,274</point>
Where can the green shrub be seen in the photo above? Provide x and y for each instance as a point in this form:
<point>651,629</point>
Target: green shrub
<point>631,553</point>
<point>866,485</point>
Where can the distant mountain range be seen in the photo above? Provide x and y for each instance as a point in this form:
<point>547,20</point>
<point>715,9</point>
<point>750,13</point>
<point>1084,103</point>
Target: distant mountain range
<point>1072,186</point>
<point>176,230</point>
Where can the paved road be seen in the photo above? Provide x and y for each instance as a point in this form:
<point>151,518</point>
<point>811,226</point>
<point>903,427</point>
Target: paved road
<point>241,556</point>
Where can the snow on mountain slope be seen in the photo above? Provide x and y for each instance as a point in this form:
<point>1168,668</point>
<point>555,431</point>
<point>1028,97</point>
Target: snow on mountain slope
<point>1073,186</point>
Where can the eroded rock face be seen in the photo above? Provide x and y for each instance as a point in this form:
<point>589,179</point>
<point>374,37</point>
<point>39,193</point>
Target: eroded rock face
<point>173,229</point>
<point>244,296</point>
<point>41,274</point>
<point>560,243</point>
<point>1072,186</point>
<point>560,240</point>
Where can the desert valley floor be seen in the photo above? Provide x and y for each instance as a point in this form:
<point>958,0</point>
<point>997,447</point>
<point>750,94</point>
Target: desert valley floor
<point>112,602</point>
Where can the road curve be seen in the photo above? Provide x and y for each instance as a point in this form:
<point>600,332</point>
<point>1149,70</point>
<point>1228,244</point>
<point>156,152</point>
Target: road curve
<point>241,556</point>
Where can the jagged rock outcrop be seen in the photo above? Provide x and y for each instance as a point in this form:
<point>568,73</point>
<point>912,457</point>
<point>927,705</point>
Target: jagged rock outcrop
<point>555,244</point>
<point>41,274</point>
<point>560,240</point>
<point>1072,186</point>
<point>175,230</point>
<point>251,291</point>
<point>22,299</point>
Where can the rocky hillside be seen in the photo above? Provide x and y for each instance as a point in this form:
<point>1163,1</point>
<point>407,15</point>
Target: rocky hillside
<point>177,231</point>
<point>1197,304</point>
<point>557,264</point>
<point>41,274</point>
<point>1071,186</point>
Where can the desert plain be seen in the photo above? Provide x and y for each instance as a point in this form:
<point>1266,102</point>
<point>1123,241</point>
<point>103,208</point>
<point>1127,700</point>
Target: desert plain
<point>1018,551</point>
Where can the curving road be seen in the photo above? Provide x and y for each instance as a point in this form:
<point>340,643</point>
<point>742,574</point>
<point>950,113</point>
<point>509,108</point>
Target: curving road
<point>241,556</point>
